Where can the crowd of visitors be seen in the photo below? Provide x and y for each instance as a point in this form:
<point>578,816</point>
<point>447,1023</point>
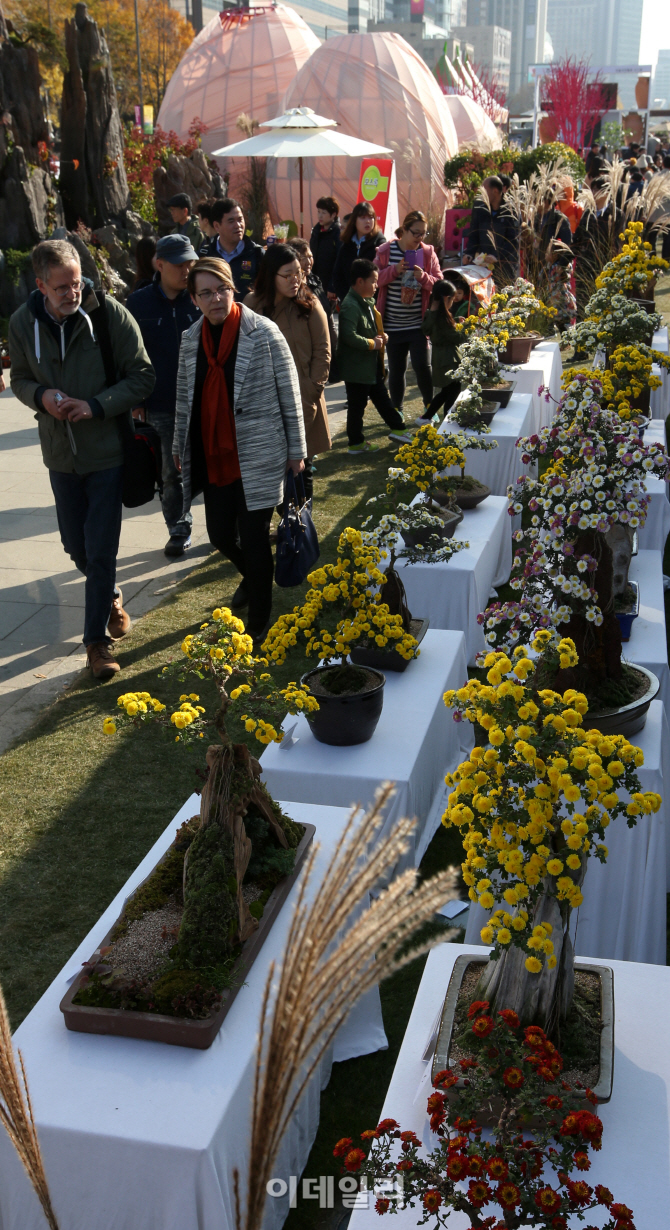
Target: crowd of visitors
<point>225,348</point>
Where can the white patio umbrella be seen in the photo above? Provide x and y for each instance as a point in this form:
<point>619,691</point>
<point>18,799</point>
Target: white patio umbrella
<point>299,133</point>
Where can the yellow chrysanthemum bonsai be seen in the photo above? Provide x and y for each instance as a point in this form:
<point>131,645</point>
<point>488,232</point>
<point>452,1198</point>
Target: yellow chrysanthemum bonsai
<point>534,804</point>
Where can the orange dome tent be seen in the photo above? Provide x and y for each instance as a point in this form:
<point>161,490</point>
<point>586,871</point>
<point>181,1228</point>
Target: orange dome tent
<point>242,61</point>
<point>379,89</point>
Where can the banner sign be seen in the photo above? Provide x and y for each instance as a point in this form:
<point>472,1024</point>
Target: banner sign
<point>377,186</point>
<point>416,8</point>
<point>148,121</point>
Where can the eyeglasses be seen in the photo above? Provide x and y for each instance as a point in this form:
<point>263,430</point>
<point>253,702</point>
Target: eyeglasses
<point>290,277</point>
<point>221,292</point>
<point>62,291</point>
<point>419,234</point>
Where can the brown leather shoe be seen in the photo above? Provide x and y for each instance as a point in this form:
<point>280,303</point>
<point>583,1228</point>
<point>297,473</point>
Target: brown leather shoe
<point>101,660</point>
<point>119,620</point>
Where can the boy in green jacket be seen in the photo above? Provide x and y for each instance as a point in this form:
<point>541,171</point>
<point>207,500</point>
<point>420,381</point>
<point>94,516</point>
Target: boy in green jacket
<point>360,351</point>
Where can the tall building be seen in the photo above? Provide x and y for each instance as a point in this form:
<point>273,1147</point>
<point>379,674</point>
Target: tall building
<point>661,86</point>
<point>492,50</point>
<point>604,32</point>
<point>527,22</point>
<point>325,17</point>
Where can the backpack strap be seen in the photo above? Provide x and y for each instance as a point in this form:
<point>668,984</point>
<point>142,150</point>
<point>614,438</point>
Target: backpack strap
<point>101,323</point>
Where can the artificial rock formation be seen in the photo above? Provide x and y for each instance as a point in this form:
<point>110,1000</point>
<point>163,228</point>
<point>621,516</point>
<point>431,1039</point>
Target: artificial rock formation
<point>184,173</point>
<point>92,177</point>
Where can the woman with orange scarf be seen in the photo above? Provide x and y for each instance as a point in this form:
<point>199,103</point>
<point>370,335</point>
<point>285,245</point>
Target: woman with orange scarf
<point>238,428</point>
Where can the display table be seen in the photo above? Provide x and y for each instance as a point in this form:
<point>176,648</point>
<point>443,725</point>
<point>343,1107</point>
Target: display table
<point>451,595</point>
<point>544,369</point>
<point>415,744</point>
<point>660,398</point>
<point>501,466</point>
<point>652,535</point>
<point>635,1166</point>
<point>623,914</point>
<point>143,1135</point>
<point>648,645</point>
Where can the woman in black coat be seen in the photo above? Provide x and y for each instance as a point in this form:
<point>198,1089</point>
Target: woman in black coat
<point>360,238</point>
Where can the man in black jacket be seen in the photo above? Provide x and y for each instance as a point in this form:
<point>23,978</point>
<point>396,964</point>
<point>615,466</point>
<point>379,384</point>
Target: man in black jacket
<point>231,244</point>
<point>325,240</point>
<point>495,232</point>
<point>163,310</point>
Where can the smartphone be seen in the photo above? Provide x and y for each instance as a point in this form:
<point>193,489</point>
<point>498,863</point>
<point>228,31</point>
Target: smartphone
<point>413,259</point>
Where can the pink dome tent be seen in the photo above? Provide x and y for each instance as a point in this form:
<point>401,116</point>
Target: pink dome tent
<point>242,61</point>
<point>379,89</point>
<point>474,128</point>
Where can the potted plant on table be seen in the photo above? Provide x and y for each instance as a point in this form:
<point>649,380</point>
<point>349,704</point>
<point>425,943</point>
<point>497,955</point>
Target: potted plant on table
<point>484,384</point>
<point>174,960</point>
<point>469,492</point>
<point>635,270</point>
<point>345,609</point>
<point>529,1171</point>
<point>574,550</point>
<point>506,318</point>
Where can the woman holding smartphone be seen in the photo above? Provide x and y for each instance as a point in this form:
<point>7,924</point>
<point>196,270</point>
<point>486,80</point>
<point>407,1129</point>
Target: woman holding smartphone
<point>408,270</point>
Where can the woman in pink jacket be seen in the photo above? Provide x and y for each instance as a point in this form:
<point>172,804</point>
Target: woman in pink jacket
<point>408,270</point>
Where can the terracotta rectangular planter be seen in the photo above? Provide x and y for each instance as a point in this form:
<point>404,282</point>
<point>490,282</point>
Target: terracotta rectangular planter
<point>180,1031</point>
<point>517,350</point>
<point>603,1089</point>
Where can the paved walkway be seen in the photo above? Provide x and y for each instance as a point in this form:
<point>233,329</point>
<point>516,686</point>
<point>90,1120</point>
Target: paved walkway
<point>41,591</point>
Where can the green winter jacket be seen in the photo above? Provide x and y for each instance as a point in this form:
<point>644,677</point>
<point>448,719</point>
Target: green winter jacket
<point>359,325</point>
<point>37,365</point>
<point>444,341</point>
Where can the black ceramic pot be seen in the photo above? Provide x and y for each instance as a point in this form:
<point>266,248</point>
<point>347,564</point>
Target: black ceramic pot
<point>345,720</point>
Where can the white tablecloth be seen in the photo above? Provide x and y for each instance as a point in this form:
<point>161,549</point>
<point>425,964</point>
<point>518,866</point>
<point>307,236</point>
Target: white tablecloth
<point>414,745</point>
<point>660,398</point>
<point>144,1136</point>
<point>451,595</point>
<point>623,914</point>
<point>656,528</point>
<point>502,465</point>
<point>648,645</point>
<point>635,1165</point>
<point>544,368</point>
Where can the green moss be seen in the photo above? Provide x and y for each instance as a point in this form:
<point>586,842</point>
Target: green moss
<point>164,883</point>
<point>209,921</point>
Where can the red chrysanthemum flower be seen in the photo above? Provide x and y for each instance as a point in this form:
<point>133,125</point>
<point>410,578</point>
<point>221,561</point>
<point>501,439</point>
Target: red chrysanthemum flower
<point>548,1200</point>
<point>444,1079</point>
<point>458,1166</point>
<point>386,1126</point>
<point>369,1134</point>
<point>465,1064</point>
<point>603,1195</point>
<point>479,1005</point>
<point>483,1026</point>
<point>513,1078</point>
<point>510,1018</point>
<point>582,1161</point>
<point>435,1103</point>
<point>570,1125</point>
<point>534,1036</point>
<point>410,1138</point>
<point>405,1164</point>
<point>579,1192</point>
<point>354,1159</point>
<point>553,1102</point>
<point>498,1168</point>
<point>591,1128</point>
<point>342,1146</point>
<point>479,1193</point>
<point>508,1195</point>
<point>560,1223</point>
<point>382,1205</point>
<point>476,1166</point>
<point>546,1073</point>
<point>436,1120</point>
<point>432,1201</point>
<point>623,1214</point>
<point>591,1097</point>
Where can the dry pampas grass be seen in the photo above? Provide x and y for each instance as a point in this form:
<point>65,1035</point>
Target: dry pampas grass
<point>16,1114</point>
<point>333,956</point>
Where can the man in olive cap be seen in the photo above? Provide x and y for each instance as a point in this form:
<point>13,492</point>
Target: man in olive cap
<point>184,222</point>
<point>163,310</point>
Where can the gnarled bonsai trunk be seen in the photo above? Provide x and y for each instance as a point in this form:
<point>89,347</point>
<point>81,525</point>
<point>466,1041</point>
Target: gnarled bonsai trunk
<point>599,648</point>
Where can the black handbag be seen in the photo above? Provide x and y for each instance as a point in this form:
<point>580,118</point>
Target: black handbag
<point>142,453</point>
<point>297,542</point>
